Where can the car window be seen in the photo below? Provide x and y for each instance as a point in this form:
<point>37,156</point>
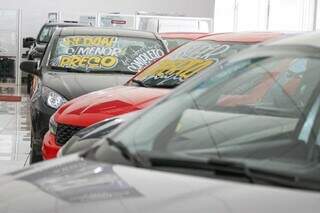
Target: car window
<point>274,88</point>
<point>105,53</point>
<point>46,33</point>
<point>185,62</point>
<point>173,43</point>
<point>316,121</point>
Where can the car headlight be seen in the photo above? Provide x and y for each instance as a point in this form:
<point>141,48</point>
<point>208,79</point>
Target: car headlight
<point>53,125</point>
<point>52,98</point>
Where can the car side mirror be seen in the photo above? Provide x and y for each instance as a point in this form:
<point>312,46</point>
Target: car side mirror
<point>30,67</point>
<point>28,42</point>
<point>36,55</point>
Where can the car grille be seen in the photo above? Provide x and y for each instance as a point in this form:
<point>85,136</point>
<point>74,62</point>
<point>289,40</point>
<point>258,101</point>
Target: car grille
<point>65,132</point>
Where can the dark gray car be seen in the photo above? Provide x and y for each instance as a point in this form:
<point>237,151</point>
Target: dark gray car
<point>37,46</point>
<point>82,60</point>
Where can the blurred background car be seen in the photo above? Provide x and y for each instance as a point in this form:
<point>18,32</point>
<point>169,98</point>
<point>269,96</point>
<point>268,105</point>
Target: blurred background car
<point>36,47</point>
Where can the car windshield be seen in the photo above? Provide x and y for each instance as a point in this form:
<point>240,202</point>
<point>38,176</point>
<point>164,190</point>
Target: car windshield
<point>46,33</point>
<point>104,53</point>
<point>185,62</point>
<point>251,111</point>
<point>173,43</point>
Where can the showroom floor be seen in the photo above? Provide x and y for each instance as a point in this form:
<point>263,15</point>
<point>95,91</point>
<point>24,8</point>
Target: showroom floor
<point>14,131</point>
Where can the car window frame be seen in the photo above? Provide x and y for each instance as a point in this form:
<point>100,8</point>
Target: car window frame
<point>40,32</point>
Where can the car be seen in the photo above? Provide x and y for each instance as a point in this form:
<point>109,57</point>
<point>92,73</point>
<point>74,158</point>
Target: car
<point>177,39</point>
<point>81,60</point>
<point>37,46</point>
<point>146,87</point>
<point>187,154</point>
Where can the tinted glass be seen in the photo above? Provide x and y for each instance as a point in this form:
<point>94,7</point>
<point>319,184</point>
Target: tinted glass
<point>173,43</point>
<point>185,62</point>
<point>247,111</point>
<point>46,33</point>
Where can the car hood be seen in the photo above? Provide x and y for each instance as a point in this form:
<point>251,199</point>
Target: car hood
<point>72,85</point>
<point>72,184</point>
<point>97,106</point>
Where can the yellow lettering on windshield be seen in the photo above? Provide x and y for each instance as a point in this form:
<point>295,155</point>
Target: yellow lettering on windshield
<point>91,62</point>
<point>183,68</point>
<point>65,61</point>
<point>108,61</point>
<point>105,41</point>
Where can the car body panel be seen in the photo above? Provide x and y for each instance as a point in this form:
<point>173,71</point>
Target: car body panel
<point>51,152</point>
<point>103,104</point>
<point>244,37</point>
<point>73,85</point>
<point>62,186</point>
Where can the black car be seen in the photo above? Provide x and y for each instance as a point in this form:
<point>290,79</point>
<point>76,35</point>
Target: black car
<point>81,60</point>
<point>198,149</point>
<point>37,46</point>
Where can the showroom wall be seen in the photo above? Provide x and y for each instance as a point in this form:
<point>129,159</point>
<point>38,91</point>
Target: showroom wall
<point>35,12</point>
<point>261,15</point>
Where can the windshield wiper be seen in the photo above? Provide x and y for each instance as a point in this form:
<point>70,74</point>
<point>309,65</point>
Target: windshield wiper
<point>283,179</point>
<point>67,69</point>
<point>70,69</point>
<point>125,152</point>
<point>166,86</point>
<point>140,83</point>
<point>233,169</point>
<point>217,166</point>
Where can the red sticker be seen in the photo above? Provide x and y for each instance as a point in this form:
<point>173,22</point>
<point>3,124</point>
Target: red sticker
<point>118,22</point>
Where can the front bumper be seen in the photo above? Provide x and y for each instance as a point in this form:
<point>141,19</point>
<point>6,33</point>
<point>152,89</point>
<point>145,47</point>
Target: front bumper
<point>49,146</point>
<point>40,116</point>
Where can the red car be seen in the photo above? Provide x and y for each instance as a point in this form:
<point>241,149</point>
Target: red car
<point>147,86</point>
<point>178,39</point>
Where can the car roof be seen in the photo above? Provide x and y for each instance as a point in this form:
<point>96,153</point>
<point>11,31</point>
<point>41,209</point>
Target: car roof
<point>243,37</point>
<point>305,39</point>
<point>183,35</point>
<point>64,24</point>
<point>70,31</point>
